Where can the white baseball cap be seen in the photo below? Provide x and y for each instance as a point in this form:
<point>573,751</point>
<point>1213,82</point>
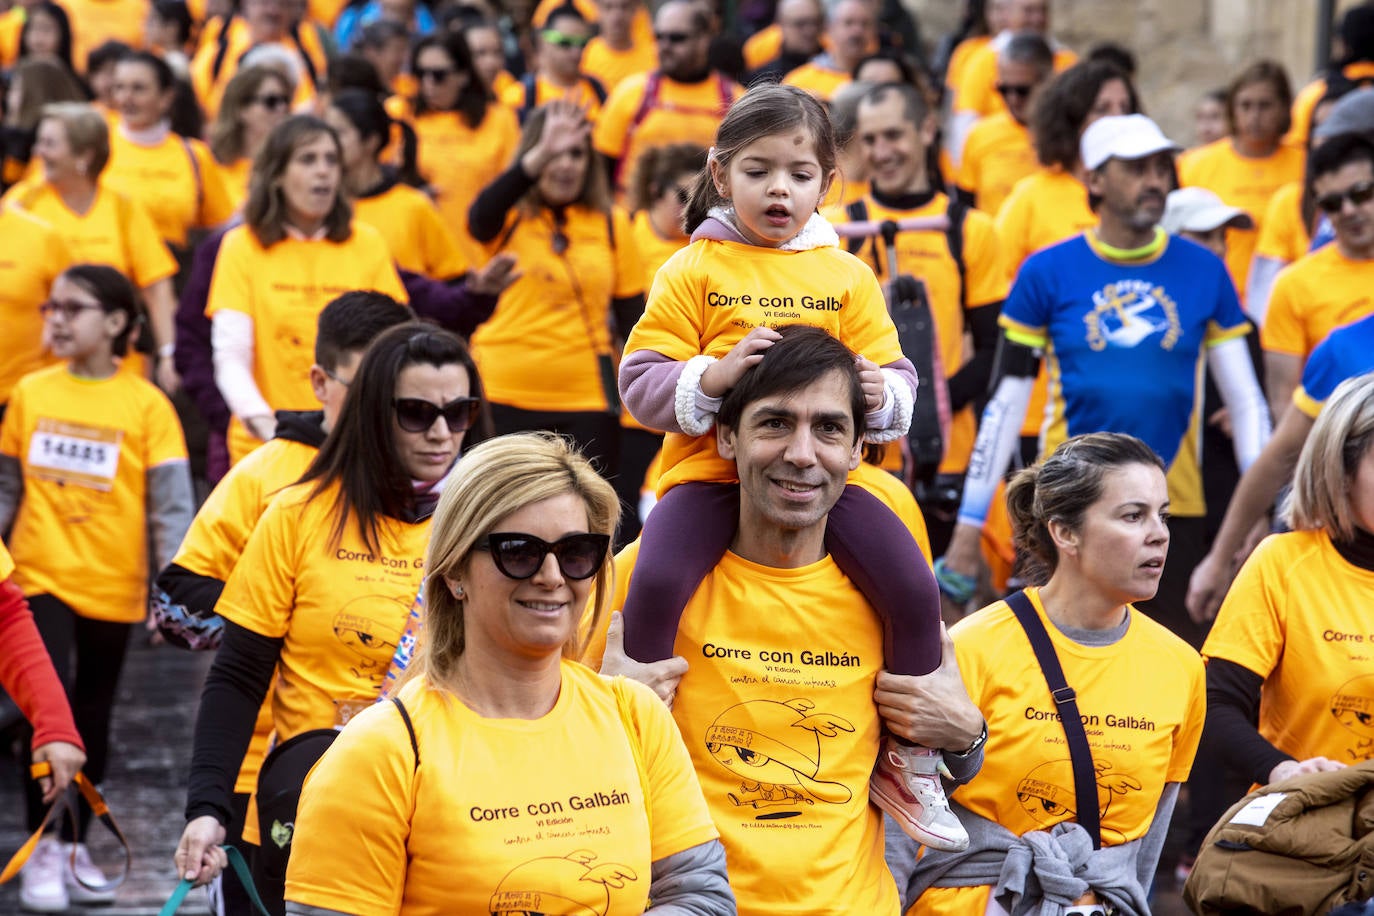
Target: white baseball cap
<point>1200,210</point>
<point>1122,137</point>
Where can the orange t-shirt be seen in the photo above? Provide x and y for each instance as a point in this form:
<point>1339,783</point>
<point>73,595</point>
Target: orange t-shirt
<point>611,67</point>
<point>97,21</point>
<point>997,154</point>
<point>822,82</point>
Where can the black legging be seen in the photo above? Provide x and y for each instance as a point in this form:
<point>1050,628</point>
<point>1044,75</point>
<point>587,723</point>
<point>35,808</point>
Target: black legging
<point>96,649</point>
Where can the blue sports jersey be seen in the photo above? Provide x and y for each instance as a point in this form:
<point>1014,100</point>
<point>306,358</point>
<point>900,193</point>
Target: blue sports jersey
<point>1124,343</point>
<point>1346,352</point>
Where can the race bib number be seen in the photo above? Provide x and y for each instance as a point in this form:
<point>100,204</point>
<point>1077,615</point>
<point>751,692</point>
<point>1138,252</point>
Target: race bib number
<point>74,453</point>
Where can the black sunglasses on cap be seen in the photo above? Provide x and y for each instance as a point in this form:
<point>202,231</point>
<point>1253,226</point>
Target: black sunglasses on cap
<point>672,38</point>
<point>1006,89</point>
<point>519,556</point>
<point>1357,194</point>
<point>416,415</point>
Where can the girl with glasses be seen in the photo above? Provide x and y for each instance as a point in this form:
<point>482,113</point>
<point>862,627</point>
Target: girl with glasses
<point>517,575</point>
<point>91,460</point>
<point>323,587</point>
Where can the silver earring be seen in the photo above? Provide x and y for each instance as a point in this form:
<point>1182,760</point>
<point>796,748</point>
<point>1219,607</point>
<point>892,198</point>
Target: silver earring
<point>457,590</point>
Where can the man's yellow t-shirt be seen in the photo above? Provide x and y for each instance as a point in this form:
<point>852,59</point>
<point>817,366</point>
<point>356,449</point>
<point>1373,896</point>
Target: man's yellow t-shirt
<point>85,447</point>
<point>583,95</point>
<point>1298,616</point>
<point>489,823</point>
<point>1312,297</point>
<point>611,67</point>
<point>177,181</point>
<point>708,296</point>
<point>283,289</point>
<point>1283,236</point>
<point>95,22</point>
<point>821,81</point>
<point>116,231</point>
<point>976,90</point>
<point>776,709</point>
<point>1143,702</point>
<point>459,161</point>
<point>997,154</point>
<point>32,258</point>
<point>1240,182</point>
<point>925,255</point>
<point>419,239</point>
<point>539,349</point>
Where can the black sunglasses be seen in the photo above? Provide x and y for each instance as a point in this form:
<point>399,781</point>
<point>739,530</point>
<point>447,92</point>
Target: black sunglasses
<point>416,415</point>
<point>1357,194</point>
<point>519,556</point>
<point>1006,89</point>
<point>672,38</point>
<point>438,74</point>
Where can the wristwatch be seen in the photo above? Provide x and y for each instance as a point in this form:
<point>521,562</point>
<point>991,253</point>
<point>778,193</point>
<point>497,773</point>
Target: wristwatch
<point>978,742</point>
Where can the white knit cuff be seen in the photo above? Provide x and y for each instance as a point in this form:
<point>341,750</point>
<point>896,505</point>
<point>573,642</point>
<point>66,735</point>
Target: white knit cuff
<point>891,421</point>
<point>695,410</point>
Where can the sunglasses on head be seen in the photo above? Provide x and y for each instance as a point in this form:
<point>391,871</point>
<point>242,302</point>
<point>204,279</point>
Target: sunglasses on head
<point>1020,91</point>
<point>563,40</point>
<point>672,38</point>
<point>272,102</point>
<point>1357,194</point>
<point>519,556</point>
<point>438,74</point>
<point>415,415</point>
<point>68,310</point>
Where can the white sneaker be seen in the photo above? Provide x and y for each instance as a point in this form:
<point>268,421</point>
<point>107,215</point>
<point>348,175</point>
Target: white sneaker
<point>906,784</point>
<point>96,893</point>
<point>42,889</point>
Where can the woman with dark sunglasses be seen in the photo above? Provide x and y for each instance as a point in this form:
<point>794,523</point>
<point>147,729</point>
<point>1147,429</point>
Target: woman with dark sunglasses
<point>257,99</point>
<point>504,777</point>
<point>325,583</point>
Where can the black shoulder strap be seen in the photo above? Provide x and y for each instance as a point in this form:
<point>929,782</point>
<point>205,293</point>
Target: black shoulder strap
<point>1080,754</point>
<point>195,173</point>
<point>530,82</point>
<point>954,235</point>
<point>221,46</point>
<point>857,212</point>
<point>410,728</point>
<point>597,89</point>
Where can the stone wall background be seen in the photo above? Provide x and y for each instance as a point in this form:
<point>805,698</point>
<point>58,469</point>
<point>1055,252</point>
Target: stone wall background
<point>1184,47</point>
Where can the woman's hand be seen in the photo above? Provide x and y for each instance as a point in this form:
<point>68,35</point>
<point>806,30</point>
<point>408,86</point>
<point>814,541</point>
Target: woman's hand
<point>872,382</point>
<point>565,128</point>
<point>726,372</point>
<point>1207,586</point>
<point>493,277</point>
<point>263,427</point>
<point>199,857</point>
<point>661,677</point>
<point>65,759</point>
<point>165,374</point>
<point>1290,768</point>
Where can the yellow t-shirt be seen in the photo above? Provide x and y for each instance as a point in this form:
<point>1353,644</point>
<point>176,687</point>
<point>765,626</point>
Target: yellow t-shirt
<point>85,447</point>
<point>976,90</point>
<point>711,294</point>
<point>486,824</point>
<point>776,709</point>
<point>1283,235</point>
<point>681,113</point>
<point>419,239</point>
<point>583,95</point>
<point>762,46</point>
<point>1045,208</point>
<point>30,260</point>
<point>210,85</point>
<point>11,27</point>
<point>234,177</point>
<point>611,67</point>
<point>95,22</point>
<point>997,154</point>
<point>959,58</point>
<point>459,161</point>
<point>654,250</point>
<point>539,349</point>
<point>1142,699</point>
<point>1305,103</point>
<point>822,82</point>
<point>283,289</point>
<point>1313,296</point>
<point>926,255</point>
<point>1298,616</point>
<point>116,231</point>
<point>1240,182</point>
<point>177,181</point>
<point>339,608</point>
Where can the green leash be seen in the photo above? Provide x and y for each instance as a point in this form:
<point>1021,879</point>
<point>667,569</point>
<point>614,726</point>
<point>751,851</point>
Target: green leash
<point>240,869</point>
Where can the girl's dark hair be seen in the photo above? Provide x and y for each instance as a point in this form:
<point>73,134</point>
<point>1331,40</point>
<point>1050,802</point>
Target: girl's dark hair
<point>360,453</point>
<point>369,118</point>
<point>166,79</point>
<point>596,186</point>
<point>64,27</point>
<point>474,97</point>
<point>656,168</point>
<point>178,14</point>
<point>1063,106</point>
<point>115,294</point>
<point>265,210</point>
<point>1062,488</point>
<point>765,110</point>
<point>353,71</point>
<point>186,116</point>
<point>1262,71</point>
<point>104,54</point>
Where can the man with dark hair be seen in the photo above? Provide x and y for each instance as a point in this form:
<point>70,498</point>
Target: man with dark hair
<point>799,23</point>
<point>999,151</point>
<point>851,31</point>
<point>960,271</point>
<point>186,592</point>
<point>682,101</point>
<point>778,651</point>
<point>558,68</point>
<point>1329,287</point>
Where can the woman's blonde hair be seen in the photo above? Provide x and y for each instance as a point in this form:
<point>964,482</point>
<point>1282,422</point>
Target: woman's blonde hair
<point>1325,475</point>
<point>494,480</point>
<point>87,132</point>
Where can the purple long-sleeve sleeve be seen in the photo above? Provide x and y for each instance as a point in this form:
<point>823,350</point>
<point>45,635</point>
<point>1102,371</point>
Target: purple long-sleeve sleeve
<point>194,357</point>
